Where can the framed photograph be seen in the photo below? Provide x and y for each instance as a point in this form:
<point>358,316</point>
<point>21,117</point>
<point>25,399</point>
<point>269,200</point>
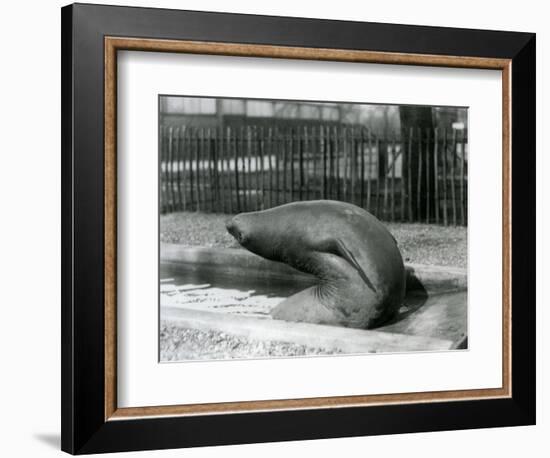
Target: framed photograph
<point>284,228</point>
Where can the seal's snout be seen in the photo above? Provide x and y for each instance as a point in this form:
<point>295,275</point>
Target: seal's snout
<point>230,225</point>
<point>233,227</point>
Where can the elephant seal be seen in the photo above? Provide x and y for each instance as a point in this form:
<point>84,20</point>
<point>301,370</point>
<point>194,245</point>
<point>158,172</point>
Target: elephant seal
<point>360,271</point>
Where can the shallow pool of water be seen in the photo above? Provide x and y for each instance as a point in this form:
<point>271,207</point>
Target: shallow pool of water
<point>214,291</point>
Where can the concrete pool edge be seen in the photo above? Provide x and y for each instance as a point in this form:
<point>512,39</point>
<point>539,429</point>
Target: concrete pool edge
<point>347,340</point>
<point>431,279</point>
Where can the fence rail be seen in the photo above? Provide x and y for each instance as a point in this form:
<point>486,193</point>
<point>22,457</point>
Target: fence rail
<point>420,176</point>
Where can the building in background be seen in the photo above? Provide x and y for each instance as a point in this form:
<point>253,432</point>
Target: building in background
<point>381,120</point>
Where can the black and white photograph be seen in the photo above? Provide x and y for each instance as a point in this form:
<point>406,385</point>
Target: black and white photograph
<point>293,228</point>
<point>275,229</point>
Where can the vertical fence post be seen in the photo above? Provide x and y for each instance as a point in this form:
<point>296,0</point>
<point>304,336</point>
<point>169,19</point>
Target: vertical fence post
<point>462,159</point>
<point>346,174</point>
<point>330,151</point>
<point>278,152</point>
<point>428,201</point>
<point>258,166</point>
<point>386,152</point>
<point>379,173</point>
<point>233,141</point>
<point>250,152</point>
<point>199,173</point>
<point>348,166</point>
<point>393,160</point>
<point>369,169</point>
<point>337,151</point>
<point>419,179</point>
<point>269,152</point>
<point>210,156</point>
<point>251,185</point>
<point>160,171</point>
<point>292,161</point>
<point>183,156</point>
<point>163,154</point>
<point>173,178</point>
<point>300,145</point>
<point>240,187</point>
<point>284,140</point>
<point>444,159</point>
<point>244,190</point>
<point>217,169</point>
<point>362,166</point>
<point>228,158</point>
<point>189,148</point>
<point>409,174</point>
<point>222,170</point>
<point>177,160</point>
<point>165,177</point>
<point>323,140</point>
<point>453,160</point>
<point>205,172</point>
<point>241,146</point>
<point>169,165</point>
<point>245,166</point>
<point>248,143</point>
<point>304,164</point>
<point>260,139</point>
<point>200,176</point>
<point>330,169</point>
<point>436,176</point>
<point>209,173</point>
<point>253,166</point>
<point>245,176</point>
<point>331,164</point>
<point>353,169</point>
<point>204,167</point>
<point>314,155</point>
<point>402,194</point>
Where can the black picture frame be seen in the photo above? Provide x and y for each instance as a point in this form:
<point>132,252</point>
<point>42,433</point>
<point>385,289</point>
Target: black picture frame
<point>84,427</point>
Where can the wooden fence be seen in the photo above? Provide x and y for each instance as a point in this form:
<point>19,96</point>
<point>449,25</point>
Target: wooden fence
<point>418,177</point>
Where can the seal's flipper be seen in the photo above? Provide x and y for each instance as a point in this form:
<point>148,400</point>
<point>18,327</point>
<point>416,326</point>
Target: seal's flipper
<point>342,251</point>
<point>306,307</point>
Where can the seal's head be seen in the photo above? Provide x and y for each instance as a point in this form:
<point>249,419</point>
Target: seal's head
<point>253,232</point>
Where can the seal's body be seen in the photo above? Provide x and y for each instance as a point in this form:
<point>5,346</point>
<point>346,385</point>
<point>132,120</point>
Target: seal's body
<point>356,259</point>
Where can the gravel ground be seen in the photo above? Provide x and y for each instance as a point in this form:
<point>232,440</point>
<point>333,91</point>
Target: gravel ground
<point>178,344</point>
<point>419,243</point>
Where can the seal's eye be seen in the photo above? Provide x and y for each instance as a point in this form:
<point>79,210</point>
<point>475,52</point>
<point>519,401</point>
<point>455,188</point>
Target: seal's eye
<point>234,227</point>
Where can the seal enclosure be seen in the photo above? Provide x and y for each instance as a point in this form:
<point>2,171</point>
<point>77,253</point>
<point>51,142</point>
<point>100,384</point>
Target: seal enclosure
<point>360,271</point>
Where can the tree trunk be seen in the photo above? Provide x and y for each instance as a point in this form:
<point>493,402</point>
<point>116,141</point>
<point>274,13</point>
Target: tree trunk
<point>420,119</point>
